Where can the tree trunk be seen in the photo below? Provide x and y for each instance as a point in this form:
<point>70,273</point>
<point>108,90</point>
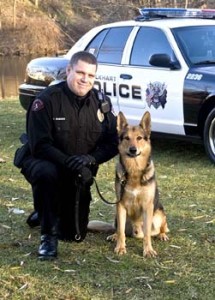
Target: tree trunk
<point>0,19</point>
<point>14,14</point>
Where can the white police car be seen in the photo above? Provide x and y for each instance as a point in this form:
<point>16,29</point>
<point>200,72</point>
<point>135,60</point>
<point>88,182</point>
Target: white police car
<point>162,62</point>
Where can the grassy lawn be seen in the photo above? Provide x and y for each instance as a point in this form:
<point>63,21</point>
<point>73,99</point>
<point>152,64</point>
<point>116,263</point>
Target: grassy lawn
<point>184,268</point>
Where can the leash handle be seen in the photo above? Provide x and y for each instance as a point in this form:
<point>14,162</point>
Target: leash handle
<point>100,195</point>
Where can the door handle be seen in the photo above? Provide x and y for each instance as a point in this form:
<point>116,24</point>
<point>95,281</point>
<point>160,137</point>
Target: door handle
<point>125,76</point>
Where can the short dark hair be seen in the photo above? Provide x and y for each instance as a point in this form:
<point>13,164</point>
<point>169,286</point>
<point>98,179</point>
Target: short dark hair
<point>84,56</point>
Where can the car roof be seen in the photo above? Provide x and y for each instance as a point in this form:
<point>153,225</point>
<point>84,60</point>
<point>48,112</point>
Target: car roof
<point>163,23</point>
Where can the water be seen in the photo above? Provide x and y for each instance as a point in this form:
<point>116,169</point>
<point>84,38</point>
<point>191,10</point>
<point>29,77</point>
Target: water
<point>12,74</point>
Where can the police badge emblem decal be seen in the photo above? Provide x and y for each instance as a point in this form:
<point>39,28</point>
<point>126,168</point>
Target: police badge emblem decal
<point>100,115</point>
<point>156,94</point>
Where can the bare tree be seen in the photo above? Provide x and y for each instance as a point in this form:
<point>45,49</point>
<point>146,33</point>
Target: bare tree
<point>175,3</point>
<point>0,20</point>
<point>14,14</point>
<point>35,2</point>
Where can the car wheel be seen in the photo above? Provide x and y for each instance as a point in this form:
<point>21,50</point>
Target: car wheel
<point>209,136</point>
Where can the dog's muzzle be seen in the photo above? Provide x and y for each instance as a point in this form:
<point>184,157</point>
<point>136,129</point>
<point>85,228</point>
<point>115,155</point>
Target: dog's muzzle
<point>133,152</point>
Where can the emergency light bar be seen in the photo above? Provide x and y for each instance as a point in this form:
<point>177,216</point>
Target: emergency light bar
<point>159,13</point>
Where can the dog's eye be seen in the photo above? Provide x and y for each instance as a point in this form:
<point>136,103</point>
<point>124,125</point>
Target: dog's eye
<point>139,138</point>
<point>126,138</point>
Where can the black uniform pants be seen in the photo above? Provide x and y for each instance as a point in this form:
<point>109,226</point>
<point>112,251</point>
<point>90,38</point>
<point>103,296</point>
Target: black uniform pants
<point>62,205</point>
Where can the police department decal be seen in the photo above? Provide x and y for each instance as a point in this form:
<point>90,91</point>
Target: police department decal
<point>156,94</point>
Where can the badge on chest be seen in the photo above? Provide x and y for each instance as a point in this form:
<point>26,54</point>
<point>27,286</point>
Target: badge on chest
<point>100,115</point>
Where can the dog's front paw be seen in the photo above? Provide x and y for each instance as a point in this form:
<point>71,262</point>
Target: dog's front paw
<point>112,237</point>
<point>120,250</point>
<point>149,252</point>
<point>163,237</point>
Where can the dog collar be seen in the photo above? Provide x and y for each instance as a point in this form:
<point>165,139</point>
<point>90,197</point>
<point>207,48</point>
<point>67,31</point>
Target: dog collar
<point>124,175</point>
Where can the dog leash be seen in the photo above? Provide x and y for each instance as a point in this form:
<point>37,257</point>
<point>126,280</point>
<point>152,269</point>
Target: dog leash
<point>77,199</point>
<point>100,195</point>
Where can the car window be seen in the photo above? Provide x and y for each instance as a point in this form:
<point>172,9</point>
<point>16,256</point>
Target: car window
<point>197,43</point>
<point>148,42</point>
<point>95,44</point>
<point>113,45</point>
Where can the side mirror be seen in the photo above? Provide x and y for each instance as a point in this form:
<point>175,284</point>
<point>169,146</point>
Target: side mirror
<point>164,61</point>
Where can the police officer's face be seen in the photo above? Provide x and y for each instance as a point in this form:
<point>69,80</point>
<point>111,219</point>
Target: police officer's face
<point>80,77</point>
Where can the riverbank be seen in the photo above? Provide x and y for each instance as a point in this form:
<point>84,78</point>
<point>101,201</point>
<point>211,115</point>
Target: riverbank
<point>26,29</point>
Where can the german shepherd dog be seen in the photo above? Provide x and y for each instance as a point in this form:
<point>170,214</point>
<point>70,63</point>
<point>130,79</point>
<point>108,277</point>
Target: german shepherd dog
<point>136,188</point>
<point>139,212</point>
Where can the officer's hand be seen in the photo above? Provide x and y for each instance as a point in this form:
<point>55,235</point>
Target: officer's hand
<point>85,177</point>
<point>77,162</point>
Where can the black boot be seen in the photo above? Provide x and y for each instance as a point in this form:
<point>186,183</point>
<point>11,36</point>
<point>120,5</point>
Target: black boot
<point>48,247</point>
<point>33,219</point>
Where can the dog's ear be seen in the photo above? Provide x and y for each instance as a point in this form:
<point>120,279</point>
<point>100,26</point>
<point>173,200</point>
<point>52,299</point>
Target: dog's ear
<point>145,123</point>
<point>121,122</point>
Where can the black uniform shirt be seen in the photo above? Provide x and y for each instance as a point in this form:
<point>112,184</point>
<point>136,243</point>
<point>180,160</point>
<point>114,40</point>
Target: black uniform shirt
<point>60,124</point>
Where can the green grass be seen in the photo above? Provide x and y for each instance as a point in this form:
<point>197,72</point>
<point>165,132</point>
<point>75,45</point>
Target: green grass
<point>184,268</point>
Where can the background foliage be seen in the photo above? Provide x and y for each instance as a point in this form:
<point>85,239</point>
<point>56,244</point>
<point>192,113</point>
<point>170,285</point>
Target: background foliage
<point>52,26</point>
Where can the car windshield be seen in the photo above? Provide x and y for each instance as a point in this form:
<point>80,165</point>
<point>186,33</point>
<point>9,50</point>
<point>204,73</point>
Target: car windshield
<point>197,43</point>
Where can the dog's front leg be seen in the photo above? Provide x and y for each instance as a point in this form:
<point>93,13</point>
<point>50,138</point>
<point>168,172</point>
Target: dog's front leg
<point>147,244</point>
<point>121,220</point>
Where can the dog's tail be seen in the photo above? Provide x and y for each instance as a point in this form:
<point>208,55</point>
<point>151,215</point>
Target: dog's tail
<point>100,226</point>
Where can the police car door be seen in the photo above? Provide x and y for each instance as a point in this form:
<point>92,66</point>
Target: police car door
<point>143,87</point>
<point>108,46</point>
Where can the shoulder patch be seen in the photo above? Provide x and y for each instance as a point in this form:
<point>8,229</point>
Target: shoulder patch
<point>37,105</point>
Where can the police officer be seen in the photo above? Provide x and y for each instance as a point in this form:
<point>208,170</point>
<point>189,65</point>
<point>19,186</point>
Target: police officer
<point>71,130</point>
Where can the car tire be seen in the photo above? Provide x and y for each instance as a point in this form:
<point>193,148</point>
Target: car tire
<point>209,136</point>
